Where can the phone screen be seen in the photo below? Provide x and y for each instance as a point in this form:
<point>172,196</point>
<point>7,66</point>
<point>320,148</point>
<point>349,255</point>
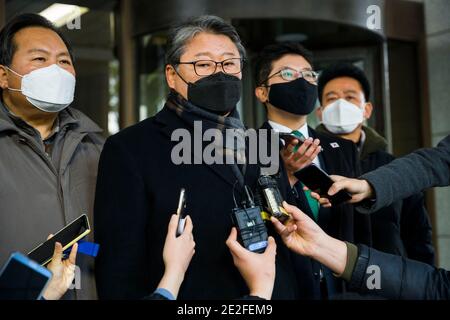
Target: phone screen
<point>70,234</point>
<point>23,279</point>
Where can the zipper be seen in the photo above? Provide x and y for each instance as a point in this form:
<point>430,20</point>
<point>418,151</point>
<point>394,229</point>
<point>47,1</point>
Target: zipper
<point>24,140</point>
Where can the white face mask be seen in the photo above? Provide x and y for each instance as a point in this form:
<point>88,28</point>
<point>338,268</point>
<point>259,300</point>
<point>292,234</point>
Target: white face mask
<point>342,117</point>
<point>50,89</point>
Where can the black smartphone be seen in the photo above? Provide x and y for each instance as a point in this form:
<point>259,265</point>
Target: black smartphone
<point>181,212</point>
<point>68,236</point>
<point>319,181</point>
<point>23,279</point>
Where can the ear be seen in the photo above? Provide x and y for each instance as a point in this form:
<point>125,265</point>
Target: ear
<point>170,76</point>
<point>262,93</point>
<point>3,77</point>
<point>368,109</point>
<point>319,112</point>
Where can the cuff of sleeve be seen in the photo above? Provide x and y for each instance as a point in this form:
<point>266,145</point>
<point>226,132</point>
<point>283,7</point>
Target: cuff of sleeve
<point>352,257</point>
<point>165,293</point>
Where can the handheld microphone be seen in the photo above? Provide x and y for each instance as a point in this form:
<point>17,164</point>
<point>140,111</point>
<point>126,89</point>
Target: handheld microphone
<point>273,199</point>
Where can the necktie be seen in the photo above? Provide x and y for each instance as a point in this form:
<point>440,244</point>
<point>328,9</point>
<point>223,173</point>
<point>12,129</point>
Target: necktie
<point>313,203</point>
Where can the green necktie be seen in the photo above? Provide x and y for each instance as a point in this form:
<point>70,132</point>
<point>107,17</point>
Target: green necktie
<point>313,203</point>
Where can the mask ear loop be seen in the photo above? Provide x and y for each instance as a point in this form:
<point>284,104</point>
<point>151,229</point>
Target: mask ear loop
<point>12,89</point>
<point>176,71</point>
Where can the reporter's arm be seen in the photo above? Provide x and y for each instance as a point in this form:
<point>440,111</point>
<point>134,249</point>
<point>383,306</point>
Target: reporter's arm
<point>400,278</point>
<point>410,174</point>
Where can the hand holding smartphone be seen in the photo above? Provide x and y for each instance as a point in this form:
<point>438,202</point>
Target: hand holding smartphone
<point>289,137</point>
<point>319,181</point>
<point>68,236</point>
<point>181,212</point>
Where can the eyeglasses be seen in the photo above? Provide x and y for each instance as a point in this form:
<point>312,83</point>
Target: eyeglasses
<point>208,67</point>
<point>289,74</point>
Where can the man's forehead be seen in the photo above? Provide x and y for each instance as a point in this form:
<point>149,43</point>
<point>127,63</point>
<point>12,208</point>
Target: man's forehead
<point>38,37</point>
<point>343,84</point>
<point>291,61</point>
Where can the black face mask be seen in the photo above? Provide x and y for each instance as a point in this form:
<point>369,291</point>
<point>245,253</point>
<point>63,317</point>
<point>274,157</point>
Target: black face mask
<point>218,93</point>
<point>297,97</point>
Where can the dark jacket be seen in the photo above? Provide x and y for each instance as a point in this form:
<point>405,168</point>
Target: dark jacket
<point>403,228</point>
<point>38,197</point>
<point>403,177</point>
<point>137,191</point>
<point>399,278</point>
<point>338,157</point>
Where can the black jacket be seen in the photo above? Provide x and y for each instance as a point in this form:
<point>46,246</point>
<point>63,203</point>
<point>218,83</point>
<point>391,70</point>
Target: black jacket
<point>399,278</point>
<point>403,228</point>
<point>338,157</point>
<point>137,191</point>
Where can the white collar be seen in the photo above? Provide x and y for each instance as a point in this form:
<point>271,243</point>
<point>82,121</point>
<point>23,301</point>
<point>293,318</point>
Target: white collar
<point>281,128</point>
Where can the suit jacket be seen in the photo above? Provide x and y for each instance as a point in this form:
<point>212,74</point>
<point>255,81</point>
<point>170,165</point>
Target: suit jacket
<point>338,157</point>
<point>137,191</point>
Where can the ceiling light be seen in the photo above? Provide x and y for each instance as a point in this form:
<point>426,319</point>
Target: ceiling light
<point>60,14</point>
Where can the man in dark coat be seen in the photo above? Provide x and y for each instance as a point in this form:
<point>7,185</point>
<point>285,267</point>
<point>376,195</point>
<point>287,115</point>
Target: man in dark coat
<point>287,86</point>
<point>403,228</point>
<point>143,168</point>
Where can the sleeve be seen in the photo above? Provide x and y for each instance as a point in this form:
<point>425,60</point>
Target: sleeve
<point>394,277</point>
<point>416,230</point>
<point>157,296</point>
<point>120,216</point>
<point>408,175</point>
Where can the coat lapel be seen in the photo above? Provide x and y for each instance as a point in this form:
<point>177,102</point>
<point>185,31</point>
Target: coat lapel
<point>330,156</point>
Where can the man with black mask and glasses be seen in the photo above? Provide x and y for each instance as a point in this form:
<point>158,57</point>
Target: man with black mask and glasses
<point>140,176</point>
<point>287,86</point>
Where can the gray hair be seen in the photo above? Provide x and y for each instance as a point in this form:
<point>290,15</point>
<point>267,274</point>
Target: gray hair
<point>184,32</point>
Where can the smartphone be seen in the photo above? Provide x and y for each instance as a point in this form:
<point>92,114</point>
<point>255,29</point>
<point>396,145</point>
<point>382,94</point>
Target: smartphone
<point>23,279</point>
<point>319,181</point>
<point>181,212</point>
<point>68,236</point>
<point>289,137</point>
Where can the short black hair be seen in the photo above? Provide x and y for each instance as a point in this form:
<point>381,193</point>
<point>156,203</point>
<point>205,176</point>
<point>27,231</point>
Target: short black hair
<point>340,70</point>
<point>26,20</point>
<point>271,53</point>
